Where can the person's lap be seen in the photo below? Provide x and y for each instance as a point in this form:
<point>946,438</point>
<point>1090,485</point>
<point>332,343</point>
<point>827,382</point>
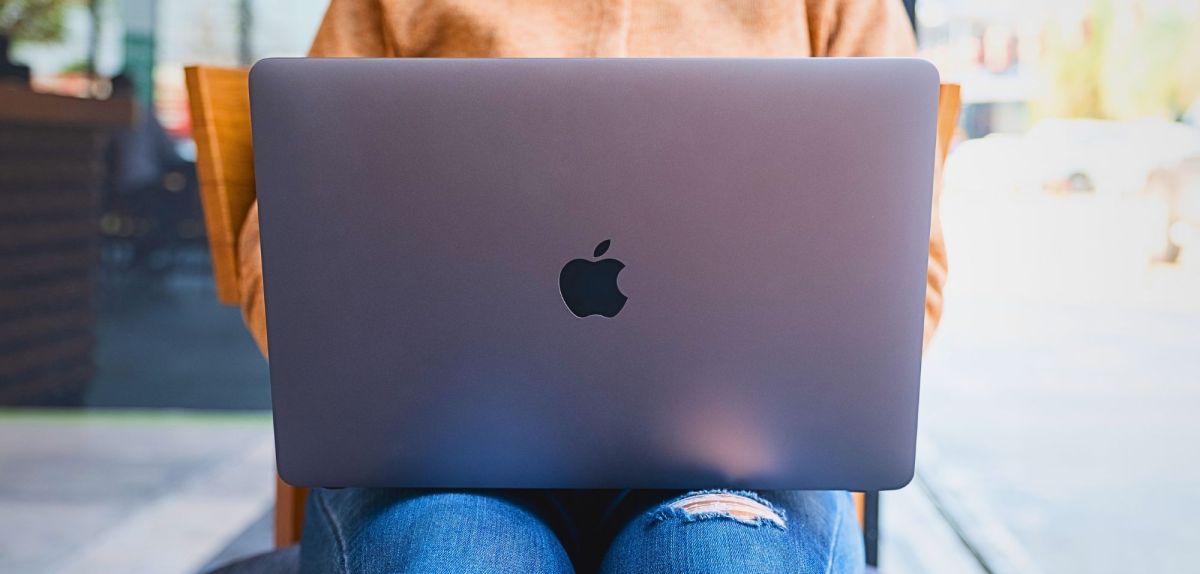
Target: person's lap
<point>613,532</point>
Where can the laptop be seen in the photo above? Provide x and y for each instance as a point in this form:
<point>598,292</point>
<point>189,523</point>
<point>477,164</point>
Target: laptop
<point>595,273</point>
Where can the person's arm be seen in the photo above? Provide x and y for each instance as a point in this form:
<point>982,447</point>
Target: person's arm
<point>250,286</point>
<point>351,28</point>
<point>880,28</point>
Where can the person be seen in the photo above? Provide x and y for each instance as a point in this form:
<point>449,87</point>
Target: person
<point>380,530</point>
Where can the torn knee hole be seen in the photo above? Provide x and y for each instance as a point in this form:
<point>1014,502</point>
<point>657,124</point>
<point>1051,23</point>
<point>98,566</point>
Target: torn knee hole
<point>747,508</point>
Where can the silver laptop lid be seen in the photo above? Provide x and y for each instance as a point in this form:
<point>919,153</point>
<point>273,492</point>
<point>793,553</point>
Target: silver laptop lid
<point>432,228</point>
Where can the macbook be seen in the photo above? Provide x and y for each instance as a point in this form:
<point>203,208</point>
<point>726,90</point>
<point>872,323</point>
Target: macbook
<point>561,273</point>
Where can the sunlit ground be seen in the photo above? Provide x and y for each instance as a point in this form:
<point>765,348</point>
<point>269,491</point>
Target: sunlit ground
<point>1061,398</point>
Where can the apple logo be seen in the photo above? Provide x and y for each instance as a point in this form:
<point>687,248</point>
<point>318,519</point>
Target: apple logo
<point>590,287</point>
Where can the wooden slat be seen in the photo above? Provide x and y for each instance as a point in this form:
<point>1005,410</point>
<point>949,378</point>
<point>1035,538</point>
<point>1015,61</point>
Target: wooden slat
<point>20,105</point>
<point>20,360</point>
<point>24,236</point>
<point>44,326</point>
<point>289,512</point>
<point>220,104</point>
<point>20,268</point>
<point>56,293</point>
<point>38,388</point>
<point>949,104</point>
<point>42,141</point>
<point>25,203</point>
<point>48,173</point>
<point>860,507</point>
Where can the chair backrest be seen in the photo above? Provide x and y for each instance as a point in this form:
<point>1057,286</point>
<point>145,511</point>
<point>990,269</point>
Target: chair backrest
<point>220,104</point>
<point>949,104</point>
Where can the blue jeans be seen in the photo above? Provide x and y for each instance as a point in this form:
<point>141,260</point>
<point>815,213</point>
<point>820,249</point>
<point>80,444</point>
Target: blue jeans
<point>554,532</point>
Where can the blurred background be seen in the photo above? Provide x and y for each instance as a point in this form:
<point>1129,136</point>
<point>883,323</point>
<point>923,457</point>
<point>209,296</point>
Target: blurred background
<point>1060,399</point>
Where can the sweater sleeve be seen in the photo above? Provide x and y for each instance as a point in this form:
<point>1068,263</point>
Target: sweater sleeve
<point>881,28</point>
<point>250,285</point>
<point>351,28</point>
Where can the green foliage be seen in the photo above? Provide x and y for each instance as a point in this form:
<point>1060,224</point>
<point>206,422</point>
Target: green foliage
<point>33,20</point>
<point>1123,62</point>
<point>1071,67</point>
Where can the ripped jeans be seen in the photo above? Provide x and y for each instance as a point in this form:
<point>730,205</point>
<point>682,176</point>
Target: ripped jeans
<point>367,531</point>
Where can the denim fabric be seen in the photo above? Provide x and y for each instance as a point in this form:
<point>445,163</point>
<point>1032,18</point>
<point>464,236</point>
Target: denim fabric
<point>372,531</point>
<point>820,534</point>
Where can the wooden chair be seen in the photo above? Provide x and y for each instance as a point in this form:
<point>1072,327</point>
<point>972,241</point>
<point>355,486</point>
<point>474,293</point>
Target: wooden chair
<point>220,106</point>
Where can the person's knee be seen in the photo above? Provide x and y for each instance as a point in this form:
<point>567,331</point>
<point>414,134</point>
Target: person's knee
<point>745,507</point>
<point>703,532</point>
<point>463,532</point>
<point>443,531</point>
<point>731,531</point>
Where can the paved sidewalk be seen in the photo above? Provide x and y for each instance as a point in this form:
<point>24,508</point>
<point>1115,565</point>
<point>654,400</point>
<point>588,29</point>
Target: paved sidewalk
<point>177,493</point>
<point>129,492</point>
<point>1060,397</point>
<point>1063,438</point>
